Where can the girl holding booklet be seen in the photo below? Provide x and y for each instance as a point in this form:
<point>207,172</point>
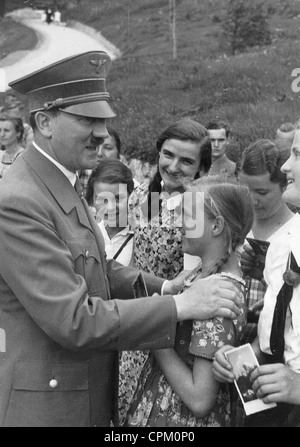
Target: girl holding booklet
<point>260,170</point>
<point>277,380</point>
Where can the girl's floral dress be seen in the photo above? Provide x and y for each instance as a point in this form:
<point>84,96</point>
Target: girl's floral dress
<point>155,404</point>
<point>157,250</point>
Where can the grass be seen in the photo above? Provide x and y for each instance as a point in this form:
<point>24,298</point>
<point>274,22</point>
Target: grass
<point>149,90</point>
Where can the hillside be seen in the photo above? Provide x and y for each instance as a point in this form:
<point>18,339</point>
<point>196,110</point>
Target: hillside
<point>252,91</point>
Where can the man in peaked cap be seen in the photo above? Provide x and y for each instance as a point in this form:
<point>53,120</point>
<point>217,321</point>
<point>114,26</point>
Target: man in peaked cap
<point>65,311</point>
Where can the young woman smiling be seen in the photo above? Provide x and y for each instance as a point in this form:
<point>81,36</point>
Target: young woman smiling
<point>183,151</point>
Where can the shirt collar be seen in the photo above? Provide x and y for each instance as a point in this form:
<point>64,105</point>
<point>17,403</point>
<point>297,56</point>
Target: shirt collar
<point>70,175</point>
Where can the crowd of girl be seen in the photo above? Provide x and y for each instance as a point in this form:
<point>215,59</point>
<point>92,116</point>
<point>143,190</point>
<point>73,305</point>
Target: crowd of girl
<point>186,212</point>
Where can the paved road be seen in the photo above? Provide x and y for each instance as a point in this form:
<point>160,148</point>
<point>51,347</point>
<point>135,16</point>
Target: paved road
<point>55,42</point>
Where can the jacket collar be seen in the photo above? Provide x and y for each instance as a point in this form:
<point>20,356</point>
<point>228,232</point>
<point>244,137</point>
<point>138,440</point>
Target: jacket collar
<point>56,182</point>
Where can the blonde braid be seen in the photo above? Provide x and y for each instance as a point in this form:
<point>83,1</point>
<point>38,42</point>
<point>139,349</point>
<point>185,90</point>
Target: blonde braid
<point>218,266</point>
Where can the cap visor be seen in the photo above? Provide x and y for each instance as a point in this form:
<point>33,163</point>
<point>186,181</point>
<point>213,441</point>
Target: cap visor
<point>95,109</point>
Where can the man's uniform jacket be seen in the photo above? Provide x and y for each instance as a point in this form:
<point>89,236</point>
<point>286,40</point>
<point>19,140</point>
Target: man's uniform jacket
<point>63,307</point>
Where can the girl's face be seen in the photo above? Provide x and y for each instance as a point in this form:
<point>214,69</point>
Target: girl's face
<point>266,195</point>
<point>196,228</point>
<point>8,133</point>
<point>178,160</point>
<point>110,201</point>
<point>292,170</point>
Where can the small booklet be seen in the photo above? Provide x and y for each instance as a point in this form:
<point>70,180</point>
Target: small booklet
<point>244,361</point>
<point>260,247</point>
<point>139,287</point>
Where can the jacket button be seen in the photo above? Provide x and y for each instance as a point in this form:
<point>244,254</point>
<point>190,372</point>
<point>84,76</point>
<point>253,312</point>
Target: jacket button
<point>53,384</point>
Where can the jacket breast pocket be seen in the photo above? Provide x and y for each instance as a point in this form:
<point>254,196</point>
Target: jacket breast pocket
<point>87,262</point>
<point>49,394</point>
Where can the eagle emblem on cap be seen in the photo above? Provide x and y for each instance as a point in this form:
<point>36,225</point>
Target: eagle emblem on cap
<point>98,63</point>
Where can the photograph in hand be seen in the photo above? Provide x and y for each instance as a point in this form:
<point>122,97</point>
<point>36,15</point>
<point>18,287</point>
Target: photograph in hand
<point>244,361</point>
<point>260,248</point>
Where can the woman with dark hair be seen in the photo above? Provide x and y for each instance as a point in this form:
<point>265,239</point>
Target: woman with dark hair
<point>184,151</point>
<point>111,146</point>
<point>260,170</point>
<point>11,133</point>
<point>109,149</point>
<point>277,347</point>
<point>109,187</point>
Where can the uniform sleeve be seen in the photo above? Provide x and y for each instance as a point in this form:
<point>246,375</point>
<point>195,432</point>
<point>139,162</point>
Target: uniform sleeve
<point>50,286</point>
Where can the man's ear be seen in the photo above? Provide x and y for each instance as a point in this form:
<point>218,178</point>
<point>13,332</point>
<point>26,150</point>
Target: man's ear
<point>44,123</point>
<point>218,226</point>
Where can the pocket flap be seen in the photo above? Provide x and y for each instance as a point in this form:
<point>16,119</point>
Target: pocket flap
<point>50,376</point>
<point>84,247</point>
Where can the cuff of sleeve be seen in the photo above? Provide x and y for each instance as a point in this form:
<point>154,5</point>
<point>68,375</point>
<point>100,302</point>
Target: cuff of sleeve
<point>163,286</point>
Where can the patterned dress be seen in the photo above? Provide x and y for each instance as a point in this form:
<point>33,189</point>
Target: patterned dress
<point>158,242</point>
<point>157,250</point>
<point>155,404</point>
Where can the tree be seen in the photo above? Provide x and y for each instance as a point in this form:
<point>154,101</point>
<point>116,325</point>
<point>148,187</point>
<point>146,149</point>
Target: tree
<point>245,25</point>
<point>172,8</point>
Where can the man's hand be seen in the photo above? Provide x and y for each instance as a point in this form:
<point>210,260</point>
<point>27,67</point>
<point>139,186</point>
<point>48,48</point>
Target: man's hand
<point>251,264</point>
<point>207,298</point>
<point>172,287</point>
<point>276,383</point>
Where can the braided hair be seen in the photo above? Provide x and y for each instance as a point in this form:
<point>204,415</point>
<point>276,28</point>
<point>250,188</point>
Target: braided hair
<point>262,157</point>
<point>233,202</point>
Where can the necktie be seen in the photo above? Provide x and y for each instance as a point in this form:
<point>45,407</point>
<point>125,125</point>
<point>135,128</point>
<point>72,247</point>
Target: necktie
<point>291,279</point>
<point>78,187</point>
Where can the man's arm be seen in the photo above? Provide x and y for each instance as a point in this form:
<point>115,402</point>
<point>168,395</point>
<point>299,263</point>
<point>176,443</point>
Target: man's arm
<point>206,298</point>
<point>39,270</point>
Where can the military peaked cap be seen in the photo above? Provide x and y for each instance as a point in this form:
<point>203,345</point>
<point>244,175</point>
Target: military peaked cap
<point>76,84</point>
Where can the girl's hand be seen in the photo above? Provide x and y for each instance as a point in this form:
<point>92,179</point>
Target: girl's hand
<point>222,369</point>
<point>276,383</point>
<point>250,264</point>
<point>257,307</point>
<point>254,311</point>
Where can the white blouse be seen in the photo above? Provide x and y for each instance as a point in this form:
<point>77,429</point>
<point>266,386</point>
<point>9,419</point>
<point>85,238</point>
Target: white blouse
<point>114,244</point>
<point>276,263</point>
